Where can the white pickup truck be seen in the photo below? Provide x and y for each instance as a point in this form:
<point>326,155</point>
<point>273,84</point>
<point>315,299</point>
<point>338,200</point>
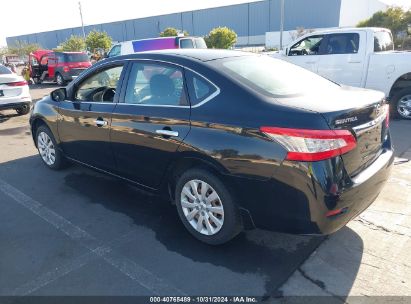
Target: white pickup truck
<point>359,57</point>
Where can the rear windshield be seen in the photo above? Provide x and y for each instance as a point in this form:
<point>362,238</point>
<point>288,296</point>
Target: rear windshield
<point>200,43</point>
<point>4,70</point>
<point>383,42</point>
<point>273,77</point>
<point>75,58</point>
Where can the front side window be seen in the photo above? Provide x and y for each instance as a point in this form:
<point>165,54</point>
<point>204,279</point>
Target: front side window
<point>100,87</point>
<point>383,42</point>
<point>308,46</point>
<point>346,43</point>
<point>273,77</point>
<point>155,84</point>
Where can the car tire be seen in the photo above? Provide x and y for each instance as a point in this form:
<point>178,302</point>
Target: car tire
<point>48,149</point>
<point>212,218</point>
<point>60,80</point>
<point>397,104</point>
<point>23,110</point>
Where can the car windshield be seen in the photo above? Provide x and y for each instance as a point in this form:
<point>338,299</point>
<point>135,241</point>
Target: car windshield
<point>4,70</point>
<point>273,77</point>
<point>76,57</point>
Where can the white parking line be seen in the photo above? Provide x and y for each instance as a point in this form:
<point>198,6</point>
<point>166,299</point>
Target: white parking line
<point>128,267</point>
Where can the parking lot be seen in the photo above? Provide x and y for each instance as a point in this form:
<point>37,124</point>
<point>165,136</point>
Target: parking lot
<point>77,232</point>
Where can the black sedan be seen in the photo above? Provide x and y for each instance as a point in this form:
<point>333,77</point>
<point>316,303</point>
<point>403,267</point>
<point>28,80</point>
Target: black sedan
<point>235,140</point>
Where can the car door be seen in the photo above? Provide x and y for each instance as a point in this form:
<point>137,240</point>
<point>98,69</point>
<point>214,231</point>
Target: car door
<point>307,52</point>
<point>85,119</point>
<point>150,121</point>
<point>52,62</point>
<point>343,58</point>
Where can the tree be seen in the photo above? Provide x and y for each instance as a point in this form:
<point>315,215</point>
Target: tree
<point>394,18</point>
<point>171,31</point>
<point>96,40</point>
<point>73,44</point>
<point>221,38</point>
<point>22,48</point>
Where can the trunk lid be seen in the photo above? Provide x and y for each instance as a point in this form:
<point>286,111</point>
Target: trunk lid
<point>360,111</point>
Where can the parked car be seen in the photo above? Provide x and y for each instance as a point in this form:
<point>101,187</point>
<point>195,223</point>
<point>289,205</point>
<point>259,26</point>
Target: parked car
<point>14,92</point>
<point>60,67</point>
<point>233,139</point>
<point>359,57</point>
<point>162,43</point>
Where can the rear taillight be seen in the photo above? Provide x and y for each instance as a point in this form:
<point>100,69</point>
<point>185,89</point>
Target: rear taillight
<point>312,145</point>
<point>66,68</point>
<point>387,119</point>
<point>17,84</point>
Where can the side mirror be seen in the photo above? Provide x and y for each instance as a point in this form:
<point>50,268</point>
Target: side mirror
<point>59,95</point>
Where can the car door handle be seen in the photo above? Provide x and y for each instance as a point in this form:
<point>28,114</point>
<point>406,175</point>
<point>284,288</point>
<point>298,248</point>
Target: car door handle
<point>167,133</point>
<point>100,122</point>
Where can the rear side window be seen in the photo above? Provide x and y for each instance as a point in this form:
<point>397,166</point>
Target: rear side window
<point>199,89</point>
<point>346,43</point>
<point>383,42</point>
<point>4,70</point>
<point>155,84</point>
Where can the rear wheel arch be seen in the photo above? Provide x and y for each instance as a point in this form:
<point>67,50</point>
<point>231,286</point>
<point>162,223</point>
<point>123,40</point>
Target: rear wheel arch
<point>400,89</point>
<point>401,83</point>
<point>184,163</point>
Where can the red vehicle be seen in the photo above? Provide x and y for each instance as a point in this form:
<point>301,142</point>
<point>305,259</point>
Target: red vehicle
<point>57,66</point>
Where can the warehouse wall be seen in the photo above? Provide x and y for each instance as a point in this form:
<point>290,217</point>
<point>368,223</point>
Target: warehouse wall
<point>250,21</point>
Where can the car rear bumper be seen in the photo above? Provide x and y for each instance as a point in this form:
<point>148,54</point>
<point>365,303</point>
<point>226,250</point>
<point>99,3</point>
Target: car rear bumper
<point>15,101</point>
<point>71,74</point>
<point>14,105</point>
<point>300,196</point>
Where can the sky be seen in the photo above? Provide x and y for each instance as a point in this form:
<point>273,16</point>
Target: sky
<point>47,15</point>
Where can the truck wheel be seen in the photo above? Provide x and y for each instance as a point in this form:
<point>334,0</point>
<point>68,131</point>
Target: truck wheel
<point>401,104</point>
<point>23,110</point>
<point>206,207</point>
<point>60,80</point>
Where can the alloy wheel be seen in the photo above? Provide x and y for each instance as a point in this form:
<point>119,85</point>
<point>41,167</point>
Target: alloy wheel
<point>404,106</point>
<point>60,80</point>
<point>202,207</point>
<point>46,148</point>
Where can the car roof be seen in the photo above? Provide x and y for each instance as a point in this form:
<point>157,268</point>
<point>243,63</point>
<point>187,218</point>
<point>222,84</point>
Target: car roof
<point>202,55</point>
<point>347,29</point>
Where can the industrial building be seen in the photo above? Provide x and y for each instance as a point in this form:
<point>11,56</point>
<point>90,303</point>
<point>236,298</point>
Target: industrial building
<point>251,21</point>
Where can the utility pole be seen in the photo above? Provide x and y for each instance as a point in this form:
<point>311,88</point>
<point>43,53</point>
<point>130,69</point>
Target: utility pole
<point>82,24</point>
<point>282,24</point>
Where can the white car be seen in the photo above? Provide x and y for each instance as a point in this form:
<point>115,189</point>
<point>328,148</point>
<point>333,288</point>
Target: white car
<point>358,57</point>
<point>14,92</point>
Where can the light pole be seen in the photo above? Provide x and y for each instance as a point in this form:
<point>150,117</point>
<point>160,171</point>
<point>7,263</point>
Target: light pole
<point>82,24</point>
<point>282,24</point>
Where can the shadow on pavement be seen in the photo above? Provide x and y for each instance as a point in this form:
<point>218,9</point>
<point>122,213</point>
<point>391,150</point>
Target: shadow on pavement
<point>6,117</point>
<point>256,263</point>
